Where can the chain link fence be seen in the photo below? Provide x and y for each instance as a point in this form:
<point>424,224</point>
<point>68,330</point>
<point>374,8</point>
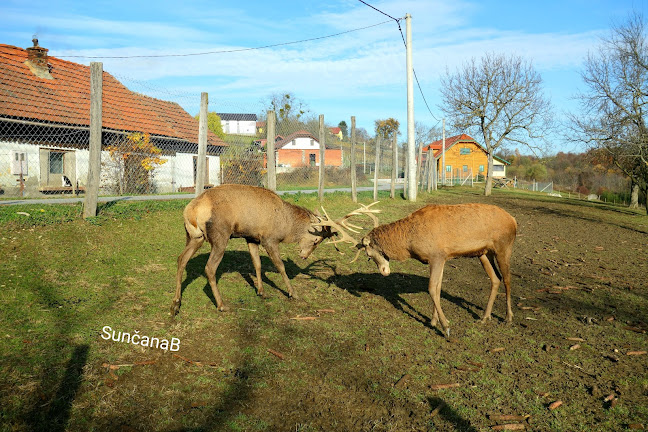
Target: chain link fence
<point>149,141</point>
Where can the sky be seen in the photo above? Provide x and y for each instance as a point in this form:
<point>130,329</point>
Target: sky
<point>359,72</point>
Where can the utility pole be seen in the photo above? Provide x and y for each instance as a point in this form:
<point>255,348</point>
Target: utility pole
<point>443,169</point>
<point>411,161</point>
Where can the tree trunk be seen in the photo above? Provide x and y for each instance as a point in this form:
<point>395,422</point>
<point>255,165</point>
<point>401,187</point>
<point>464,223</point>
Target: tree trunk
<point>489,175</point>
<point>634,195</point>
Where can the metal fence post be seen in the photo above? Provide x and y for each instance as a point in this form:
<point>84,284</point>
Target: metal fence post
<point>94,158</point>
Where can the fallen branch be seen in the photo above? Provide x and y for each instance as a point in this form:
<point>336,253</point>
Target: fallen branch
<point>552,406</point>
<point>276,353</point>
<point>509,426</point>
<point>325,311</point>
<point>306,318</point>
<point>508,417</point>
<point>199,364</point>
<point>444,386</point>
<point>636,353</point>
<point>436,410</point>
<point>113,367</point>
<point>575,339</point>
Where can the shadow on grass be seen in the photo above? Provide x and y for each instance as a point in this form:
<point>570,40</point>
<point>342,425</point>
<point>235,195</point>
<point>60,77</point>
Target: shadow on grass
<point>394,286</point>
<point>50,408</point>
<point>450,416</point>
<point>241,262</point>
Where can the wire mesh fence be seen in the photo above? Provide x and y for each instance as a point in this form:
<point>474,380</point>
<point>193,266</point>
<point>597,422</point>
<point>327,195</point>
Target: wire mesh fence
<point>149,141</point>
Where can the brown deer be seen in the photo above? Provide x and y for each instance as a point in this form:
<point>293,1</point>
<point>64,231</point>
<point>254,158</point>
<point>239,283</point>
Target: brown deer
<point>437,233</point>
<point>256,214</point>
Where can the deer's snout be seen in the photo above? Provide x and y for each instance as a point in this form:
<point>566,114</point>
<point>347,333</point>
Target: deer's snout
<point>384,269</point>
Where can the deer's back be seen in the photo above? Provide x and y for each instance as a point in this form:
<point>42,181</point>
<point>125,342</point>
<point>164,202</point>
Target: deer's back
<point>458,230</point>
<point>244,211</point>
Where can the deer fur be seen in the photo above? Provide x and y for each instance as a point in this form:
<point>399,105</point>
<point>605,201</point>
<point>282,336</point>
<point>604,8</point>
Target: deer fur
<point>256,214</point>
<point>437,233</point>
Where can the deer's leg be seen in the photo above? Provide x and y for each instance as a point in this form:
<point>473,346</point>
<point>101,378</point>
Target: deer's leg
<point>488,264</point>
<point>504,263</point>
<point>219,242</point>
<point>434,288</point>
<point>275,256</point>
<point>256,261</point>
<point>193,244</point>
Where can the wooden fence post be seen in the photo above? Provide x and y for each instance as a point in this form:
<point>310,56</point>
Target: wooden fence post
<point>270,151</point>
<point>202,144</point>
<point>322,165</point>
<point>354,180</point>
<point>94,157</point>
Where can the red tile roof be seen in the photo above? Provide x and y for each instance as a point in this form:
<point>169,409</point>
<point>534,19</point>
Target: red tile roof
<point>299,134</point>
<point>65,99</point>
<point>449,142</point>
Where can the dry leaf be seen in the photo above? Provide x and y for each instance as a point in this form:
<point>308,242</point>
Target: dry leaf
<point>555,405</point>
<point>574,347</point>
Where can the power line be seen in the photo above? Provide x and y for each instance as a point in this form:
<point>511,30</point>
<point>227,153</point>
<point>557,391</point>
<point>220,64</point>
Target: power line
<point>227,51</point>
<point>400,29</point>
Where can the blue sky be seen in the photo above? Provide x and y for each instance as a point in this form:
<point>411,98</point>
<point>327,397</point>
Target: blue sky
<point>360,73</point>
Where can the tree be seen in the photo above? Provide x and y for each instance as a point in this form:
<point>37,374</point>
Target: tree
<point>344,128</point>
<point>614,104</point>
<point>288,109</point>
<point>498,98</point>
<point>386,128</point>
<point>134,161</point>
<point>214,124</point>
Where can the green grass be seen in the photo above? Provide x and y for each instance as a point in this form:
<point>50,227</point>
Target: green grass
<point>62,279</point>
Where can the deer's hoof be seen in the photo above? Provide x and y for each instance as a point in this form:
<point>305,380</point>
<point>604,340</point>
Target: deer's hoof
<point>447,333</point>
<point>223,309</point>
<point>175,308</point>
<point>485,320</point>
<point>263,295</point>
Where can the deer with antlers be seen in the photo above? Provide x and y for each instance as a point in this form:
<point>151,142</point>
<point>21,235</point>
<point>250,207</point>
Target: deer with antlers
<point>259,216</point>
<point>437,233</point>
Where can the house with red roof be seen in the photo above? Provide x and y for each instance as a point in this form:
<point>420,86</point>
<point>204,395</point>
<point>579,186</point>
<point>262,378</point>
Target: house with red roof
<point>302,149</point>
<point>464,157</point>
<point>44,127</point>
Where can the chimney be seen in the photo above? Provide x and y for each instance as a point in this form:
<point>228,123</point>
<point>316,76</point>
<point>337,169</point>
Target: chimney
<point>37,60</point>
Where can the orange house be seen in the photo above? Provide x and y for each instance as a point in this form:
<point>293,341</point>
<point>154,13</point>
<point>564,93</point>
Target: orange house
<point>464,157</point>
<point>302,149</point>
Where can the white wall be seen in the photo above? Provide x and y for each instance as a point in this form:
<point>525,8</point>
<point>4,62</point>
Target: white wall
<point>302,143</point>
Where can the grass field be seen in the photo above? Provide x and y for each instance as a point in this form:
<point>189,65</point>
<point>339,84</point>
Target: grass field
<point>365,358</point>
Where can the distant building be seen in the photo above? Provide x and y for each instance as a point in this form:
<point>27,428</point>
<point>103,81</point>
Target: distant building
<point>302,149</point>
<point>464,157</point>
<point>239,124</point>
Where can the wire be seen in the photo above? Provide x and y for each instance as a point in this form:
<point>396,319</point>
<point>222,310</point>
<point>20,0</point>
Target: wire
<point>400,29</point>
<point>227,51</point>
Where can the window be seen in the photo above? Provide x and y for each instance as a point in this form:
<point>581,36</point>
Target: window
<point>481,168</point>
<point>56,162</point>
<point>311,159</point>
<point>312,143</point>
<point>464,151</point>
<point>19,163</point>
<point>465,168</point>
<point>498,168</point>
<point>448,168</point>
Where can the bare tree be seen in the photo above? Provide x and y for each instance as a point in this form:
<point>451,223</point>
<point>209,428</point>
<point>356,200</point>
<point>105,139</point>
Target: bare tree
<point>498,98</point>
<point>614,104</point>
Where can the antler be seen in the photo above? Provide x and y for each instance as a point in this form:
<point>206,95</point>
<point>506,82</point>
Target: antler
<point>342,225</point>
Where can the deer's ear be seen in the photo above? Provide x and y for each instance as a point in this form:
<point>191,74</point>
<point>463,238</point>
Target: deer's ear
<point>365,242</point>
